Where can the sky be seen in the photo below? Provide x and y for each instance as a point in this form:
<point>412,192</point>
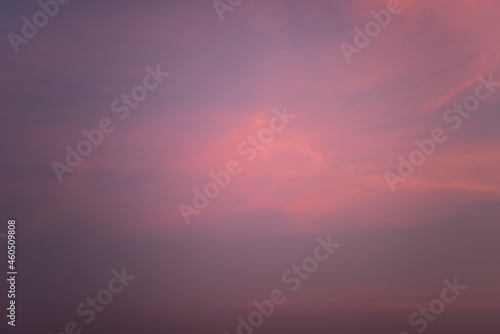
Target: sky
<point>380,137</point>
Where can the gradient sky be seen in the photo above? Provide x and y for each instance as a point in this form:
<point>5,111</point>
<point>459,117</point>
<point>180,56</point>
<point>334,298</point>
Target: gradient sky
<point>323,175</point>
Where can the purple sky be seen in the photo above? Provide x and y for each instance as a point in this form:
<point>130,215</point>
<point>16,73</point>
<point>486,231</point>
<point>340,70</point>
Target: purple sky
<point>323,173</point>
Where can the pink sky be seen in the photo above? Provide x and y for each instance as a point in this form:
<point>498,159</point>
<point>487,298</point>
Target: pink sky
<point>323,174</point>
